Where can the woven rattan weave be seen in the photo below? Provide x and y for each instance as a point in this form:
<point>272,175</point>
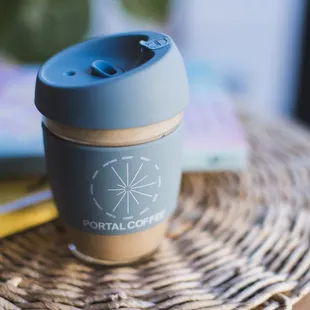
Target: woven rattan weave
<point>237,241</point>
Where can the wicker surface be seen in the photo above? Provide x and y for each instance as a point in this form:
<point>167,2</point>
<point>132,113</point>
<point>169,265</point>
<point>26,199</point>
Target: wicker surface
<point>237,241</point>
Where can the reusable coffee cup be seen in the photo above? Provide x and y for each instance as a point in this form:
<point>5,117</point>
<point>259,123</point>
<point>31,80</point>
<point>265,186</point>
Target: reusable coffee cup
<point>112,123</point>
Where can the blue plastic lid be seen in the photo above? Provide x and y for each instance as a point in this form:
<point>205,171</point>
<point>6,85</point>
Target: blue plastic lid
<point>121,81</point>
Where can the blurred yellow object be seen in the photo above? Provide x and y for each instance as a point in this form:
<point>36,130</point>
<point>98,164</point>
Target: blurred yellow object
<point>29,205</point>
<point>26,218</point>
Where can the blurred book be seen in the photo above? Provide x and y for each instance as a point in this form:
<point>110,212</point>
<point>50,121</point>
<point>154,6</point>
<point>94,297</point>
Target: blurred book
<point>214,139</point>
<point>214,136</point>
<point>21,145</point>
<point>24,204</point>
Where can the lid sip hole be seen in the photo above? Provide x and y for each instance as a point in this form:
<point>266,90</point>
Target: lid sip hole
<point>101,68</point>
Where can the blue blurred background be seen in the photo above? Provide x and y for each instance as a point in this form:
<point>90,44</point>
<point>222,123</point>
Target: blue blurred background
<point>254,45</point>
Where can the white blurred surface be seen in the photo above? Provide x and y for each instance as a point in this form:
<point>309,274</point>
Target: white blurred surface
<point>257,42</point>
<point>108,17</point>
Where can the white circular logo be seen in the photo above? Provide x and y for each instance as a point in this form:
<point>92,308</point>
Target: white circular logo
<point>126,187</point>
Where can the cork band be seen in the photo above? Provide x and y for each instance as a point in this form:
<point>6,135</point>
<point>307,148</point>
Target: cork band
<point>118,137</point>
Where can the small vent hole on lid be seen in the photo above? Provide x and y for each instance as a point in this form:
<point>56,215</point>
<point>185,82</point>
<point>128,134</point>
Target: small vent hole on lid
<point>70,73</point>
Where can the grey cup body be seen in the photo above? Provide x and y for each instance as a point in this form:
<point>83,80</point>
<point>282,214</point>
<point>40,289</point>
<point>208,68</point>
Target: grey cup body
<point>115,197</point>
<point>115,190</point>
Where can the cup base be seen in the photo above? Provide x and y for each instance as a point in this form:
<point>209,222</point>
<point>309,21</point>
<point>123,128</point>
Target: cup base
<point>116,249</point>
<point>97,261</point>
